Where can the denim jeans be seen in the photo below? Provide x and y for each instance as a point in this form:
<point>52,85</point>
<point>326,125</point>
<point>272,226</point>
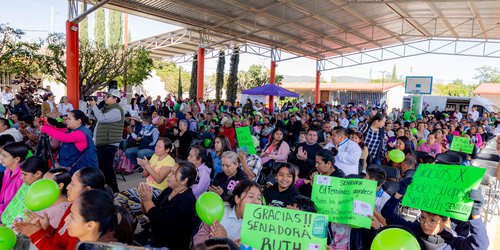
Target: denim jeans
<point>135,152</point>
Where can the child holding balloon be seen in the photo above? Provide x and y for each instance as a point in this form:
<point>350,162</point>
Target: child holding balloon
<point>13,154</point>
<point>39,230</point>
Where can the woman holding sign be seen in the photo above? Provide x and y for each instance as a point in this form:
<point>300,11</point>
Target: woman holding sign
<point>435,230</point>
<point>246,192</point>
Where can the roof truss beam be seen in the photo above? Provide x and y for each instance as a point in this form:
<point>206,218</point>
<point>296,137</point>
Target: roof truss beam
<point>477,18</point>
<point>438,14</point>
<point>396,9</point>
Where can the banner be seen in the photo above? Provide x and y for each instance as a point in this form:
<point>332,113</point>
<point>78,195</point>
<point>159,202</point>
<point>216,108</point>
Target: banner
<point>443,189</point>
<point>345,201</point>
<point>461,144</point>
<point>245,141</point>
<point>269,228</point>
<point>16,206</point>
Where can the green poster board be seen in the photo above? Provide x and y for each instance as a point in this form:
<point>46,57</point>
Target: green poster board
<point>443,189</point>
<point>16,206</point>
<point>338,198</point>
<point>271,228</point>
<point>461,144</point>
<point>245,141</point>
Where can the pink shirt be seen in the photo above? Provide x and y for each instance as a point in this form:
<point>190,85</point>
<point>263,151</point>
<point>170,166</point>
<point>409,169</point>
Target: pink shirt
<point>11,183</point>
<point>432,150</point>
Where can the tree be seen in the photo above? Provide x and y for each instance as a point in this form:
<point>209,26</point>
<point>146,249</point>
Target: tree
<point>19,58</point>
<point>115,28</point>
<point>194,78</point>
<point>232,81</point>
<point>179,85</point>
<point>100,28</point>
<point>169,75</point>
<point>219,82</point>
<point>394,76</point>
<point>456,88</point>
<point>487,74</point>
<point>98,64</point>
<point>257,75</point>
<point>83,31</point>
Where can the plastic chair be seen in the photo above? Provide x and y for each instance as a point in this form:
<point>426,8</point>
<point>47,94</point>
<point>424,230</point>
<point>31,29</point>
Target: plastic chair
<point>448,159</point>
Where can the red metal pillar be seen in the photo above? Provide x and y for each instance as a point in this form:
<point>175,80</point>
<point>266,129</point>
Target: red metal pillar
<point>316,89</point>
<point>72,67</point>
<point>201,72</point>
<point>272,80</point>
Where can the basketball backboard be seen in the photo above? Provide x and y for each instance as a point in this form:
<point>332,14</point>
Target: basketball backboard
<point>418,84</point>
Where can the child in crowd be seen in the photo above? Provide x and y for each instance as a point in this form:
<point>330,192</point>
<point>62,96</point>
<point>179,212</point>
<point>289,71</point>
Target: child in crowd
<point>281,194</point>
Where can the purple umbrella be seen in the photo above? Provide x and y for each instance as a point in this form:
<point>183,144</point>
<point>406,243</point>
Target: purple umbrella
<point>271,90</point>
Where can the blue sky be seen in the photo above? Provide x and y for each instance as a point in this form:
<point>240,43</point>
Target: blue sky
<point>35,19</point>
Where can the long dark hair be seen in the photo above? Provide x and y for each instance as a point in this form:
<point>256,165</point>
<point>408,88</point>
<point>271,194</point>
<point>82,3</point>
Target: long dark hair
<point>241,187</point>
<point>17,149</point>
<point>98,206</point>
<point>407,143</point>
<point>92,177</point>
<point>188,171</point>
<point>79,115</point>
<point>61,175</point>
<point>35,164</point>
<point>272,138</point>
<point>226,145</point>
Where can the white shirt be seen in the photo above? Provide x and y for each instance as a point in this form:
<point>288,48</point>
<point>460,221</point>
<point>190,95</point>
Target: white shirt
<point>231,223</point>
<point>344,123</point>
<point>7,97</point>
<point>459,116</point>
<point>134,111</point>
<point>18,137</point>
<point>475,115</point>
<point>202,108</point>
<point>348,157</point>
<point>65,108</point>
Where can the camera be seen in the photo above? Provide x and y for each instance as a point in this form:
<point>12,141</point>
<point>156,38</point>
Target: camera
<point>89,98</point>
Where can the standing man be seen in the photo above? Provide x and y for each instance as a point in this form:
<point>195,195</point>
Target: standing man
<point>108,134</point>
<point>474,113</point>
<point>349,152</point>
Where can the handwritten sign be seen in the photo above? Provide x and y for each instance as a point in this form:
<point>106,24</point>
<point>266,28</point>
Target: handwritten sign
<point>16,206</point>
<point>336,197</point>
<point>245,141</point>
<point>443,189</point>
<point>461,144</point>
<point>269,228</point>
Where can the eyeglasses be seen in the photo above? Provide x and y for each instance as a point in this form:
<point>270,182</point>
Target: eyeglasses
<point>430,222</point>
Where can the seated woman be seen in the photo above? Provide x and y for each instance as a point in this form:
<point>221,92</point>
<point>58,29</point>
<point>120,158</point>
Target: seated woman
<point>431,146</point>
<point>46,237</point>
<point>277,149</point>
<point>325,165</point>
<point>13,154</point>
<point>435,230</point>
<point>281,194</point>
<point>221,145</point>
<point>198,156</point>
<point>231,174</point>
<point>172,214</point>
<point>33,169</point>
<point>95,218</point>
<point>156,171</point>
<point>77,149</point>
<point>246,192</point>
<point>184,137</point>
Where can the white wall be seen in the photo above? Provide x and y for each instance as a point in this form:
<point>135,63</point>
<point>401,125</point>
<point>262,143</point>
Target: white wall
<point>395,97</point>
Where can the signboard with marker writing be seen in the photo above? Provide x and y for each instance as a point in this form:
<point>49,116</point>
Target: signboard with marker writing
<point>270,228</point>
<point>16,206</point>
<point>245,141</point>
<point>461,144</point>
<point>443,189</point>
<point>345,201</point>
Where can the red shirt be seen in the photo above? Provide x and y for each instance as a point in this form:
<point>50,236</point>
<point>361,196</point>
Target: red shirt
<point>230,134</point>
<point>55,239</point>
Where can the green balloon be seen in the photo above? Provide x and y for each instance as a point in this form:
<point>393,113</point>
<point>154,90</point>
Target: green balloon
<point>295,109</point>
<point>7,238</point>
<point>41,195</point>
<point>414,131</point>
<point>320,109</point>
<point>353,122</point>
<point>421,142</point>
<point>290,110</point>
<point>207,142</point>
<point>210,207</point>
<point>387,240</point>
<point>396,155</point>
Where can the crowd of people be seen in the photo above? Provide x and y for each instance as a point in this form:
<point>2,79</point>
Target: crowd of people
<point>184,148</point>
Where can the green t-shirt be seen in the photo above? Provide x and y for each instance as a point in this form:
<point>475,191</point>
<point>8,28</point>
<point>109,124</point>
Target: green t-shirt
<point>177,106</point>
<point>407,115</point>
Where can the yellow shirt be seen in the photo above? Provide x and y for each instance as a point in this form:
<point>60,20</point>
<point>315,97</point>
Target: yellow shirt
<point>167,162</point>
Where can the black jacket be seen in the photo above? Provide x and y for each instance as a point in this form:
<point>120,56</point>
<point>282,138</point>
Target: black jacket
<point>172,222</point>
<point>305,167</point>
<point>279,199</point>
<point>228,183</point>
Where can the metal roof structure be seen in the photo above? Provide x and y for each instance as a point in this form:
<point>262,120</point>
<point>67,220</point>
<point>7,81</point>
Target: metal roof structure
<point>316,29</point>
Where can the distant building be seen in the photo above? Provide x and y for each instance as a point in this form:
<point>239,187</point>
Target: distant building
<point>343,93</point>
<point>490,91</point>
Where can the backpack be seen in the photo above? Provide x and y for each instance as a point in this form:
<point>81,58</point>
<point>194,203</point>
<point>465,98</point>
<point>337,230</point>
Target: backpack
<point>122,164</point>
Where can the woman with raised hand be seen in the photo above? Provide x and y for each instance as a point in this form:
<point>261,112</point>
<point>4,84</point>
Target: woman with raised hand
<point>77,149</point>
<point>94,217</point>
<point>38,228</point>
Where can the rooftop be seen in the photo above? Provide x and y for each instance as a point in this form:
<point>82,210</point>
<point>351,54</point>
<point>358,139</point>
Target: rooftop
<point>361,87</point>
<point>488,89</point>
